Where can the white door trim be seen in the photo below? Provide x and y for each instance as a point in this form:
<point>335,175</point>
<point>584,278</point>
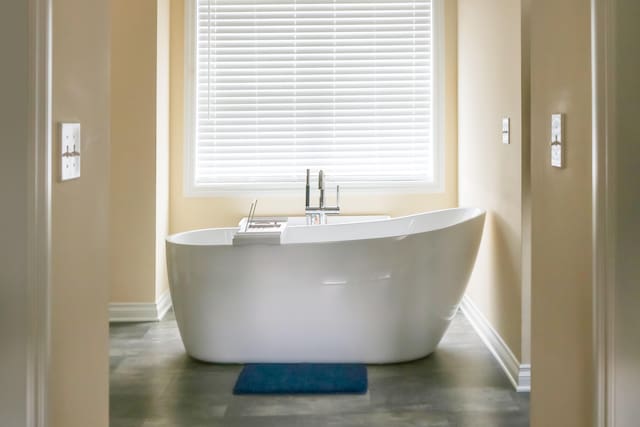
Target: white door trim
<point>603,84</point>
<point>39,211</point>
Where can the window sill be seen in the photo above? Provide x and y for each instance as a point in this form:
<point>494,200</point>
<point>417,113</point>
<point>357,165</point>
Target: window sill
<point>289,190</point>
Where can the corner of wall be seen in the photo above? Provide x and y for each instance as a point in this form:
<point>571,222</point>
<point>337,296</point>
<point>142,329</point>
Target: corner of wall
<point>162,143</point>
<point>139,210</point>
<point>526,253</point>
<point>491,174</point>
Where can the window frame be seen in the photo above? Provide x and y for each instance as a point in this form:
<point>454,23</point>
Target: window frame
<point>191,189</point>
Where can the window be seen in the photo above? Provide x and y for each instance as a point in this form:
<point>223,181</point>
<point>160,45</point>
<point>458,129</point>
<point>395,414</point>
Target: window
<point>278,86</point>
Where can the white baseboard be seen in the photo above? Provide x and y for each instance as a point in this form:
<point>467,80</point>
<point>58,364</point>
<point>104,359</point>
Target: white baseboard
<point>140,312</point>
<point>519,374</point>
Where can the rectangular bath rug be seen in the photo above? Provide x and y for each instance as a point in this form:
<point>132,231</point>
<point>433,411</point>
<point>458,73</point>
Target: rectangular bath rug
<point>302,378</point>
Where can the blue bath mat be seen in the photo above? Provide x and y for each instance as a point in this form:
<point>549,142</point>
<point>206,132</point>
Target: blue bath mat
<point>302,378</point>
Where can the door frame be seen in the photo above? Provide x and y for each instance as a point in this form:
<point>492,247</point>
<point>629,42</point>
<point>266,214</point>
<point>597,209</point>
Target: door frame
<point>39,212</point>
<point>604,196</point>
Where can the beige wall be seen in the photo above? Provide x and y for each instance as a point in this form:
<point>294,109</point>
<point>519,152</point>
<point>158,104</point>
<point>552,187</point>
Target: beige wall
<point>80,219</point>
<point>199,212</point>
<point>14,122</point>
<point>133,134</point>
<point>491,173</point>
<point>139,151</point>
<point>561,201</point>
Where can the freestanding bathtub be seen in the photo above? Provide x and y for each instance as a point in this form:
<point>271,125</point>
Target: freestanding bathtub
<point>378,291</point>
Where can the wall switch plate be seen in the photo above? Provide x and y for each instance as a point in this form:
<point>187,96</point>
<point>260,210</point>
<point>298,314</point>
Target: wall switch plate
<point>506,131</point>
<point>69,151</point>
<point>557,140</point>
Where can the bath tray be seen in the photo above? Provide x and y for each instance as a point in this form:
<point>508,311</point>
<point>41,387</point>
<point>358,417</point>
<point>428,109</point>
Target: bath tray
<point>262,230</point>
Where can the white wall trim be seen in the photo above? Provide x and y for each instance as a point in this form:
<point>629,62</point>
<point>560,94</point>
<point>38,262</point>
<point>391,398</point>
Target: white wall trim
<point>39,213</point>
<point>519,374</point>
<point>603,196</point>
<point>140,311</point>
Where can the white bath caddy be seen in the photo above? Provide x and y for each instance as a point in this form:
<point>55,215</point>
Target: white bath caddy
<point>262,230</point>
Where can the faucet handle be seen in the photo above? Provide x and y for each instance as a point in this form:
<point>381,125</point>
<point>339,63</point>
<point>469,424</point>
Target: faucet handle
<point>337,196</point>
<point>321,180</point>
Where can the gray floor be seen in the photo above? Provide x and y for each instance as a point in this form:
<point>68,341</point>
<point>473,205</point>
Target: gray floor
<point>155,384</point>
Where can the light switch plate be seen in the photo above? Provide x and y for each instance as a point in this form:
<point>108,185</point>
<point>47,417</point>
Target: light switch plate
<point>69,151</point>
<point>557,140</point>
<point>506,130</point>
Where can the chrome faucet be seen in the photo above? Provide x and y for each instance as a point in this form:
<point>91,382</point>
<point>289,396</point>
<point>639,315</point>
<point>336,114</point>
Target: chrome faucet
<point>318,215</point>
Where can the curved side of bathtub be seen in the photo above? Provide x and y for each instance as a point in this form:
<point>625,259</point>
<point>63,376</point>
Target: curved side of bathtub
<point>378,300</point>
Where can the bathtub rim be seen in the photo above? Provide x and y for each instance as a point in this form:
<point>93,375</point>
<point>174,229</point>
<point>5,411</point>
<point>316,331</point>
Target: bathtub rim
<point>475,212</point>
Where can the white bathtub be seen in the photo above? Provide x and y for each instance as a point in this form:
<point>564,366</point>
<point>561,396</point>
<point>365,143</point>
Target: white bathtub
<point>377,291</point>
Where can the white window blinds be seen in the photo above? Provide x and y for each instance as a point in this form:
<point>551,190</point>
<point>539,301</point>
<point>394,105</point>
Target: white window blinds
<point>341,85</point>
